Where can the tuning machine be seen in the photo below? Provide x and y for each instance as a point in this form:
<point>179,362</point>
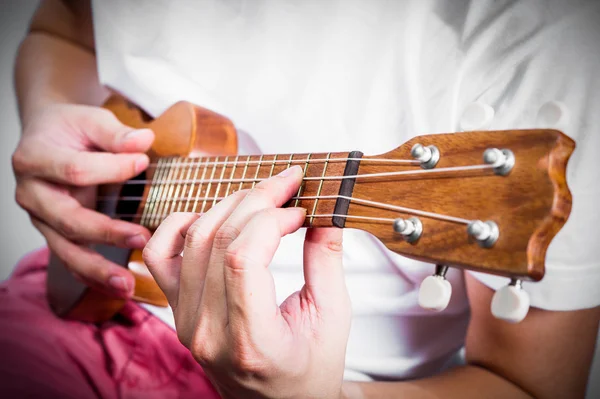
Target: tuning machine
<point>435,290</point>
<point>410,229</point>
<point>511,302</point>
<point>503,160</point>
<point>485,233</point>
<point>428,156</point>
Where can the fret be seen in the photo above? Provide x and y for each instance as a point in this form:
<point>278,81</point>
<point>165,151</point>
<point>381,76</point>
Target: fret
<point>161,188</point>
<point>273,165</point>
<point>189,199</point>
<point>303,183</point>
<point>163,206</point>
<point>257,169</point>
<point>314,210</point>
<point>244,173</point>
<point>151,192</point>
<point>178,185</point>
<point>199,190</point>
<point>232,175</point>
<point>219,184</point>
<point>212,176</point>
<point>190,163</point>
<point>289,164</point>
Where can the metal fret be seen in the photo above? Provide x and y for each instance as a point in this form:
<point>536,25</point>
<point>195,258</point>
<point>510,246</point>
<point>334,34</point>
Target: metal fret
<point>232,175</point>
<point>212,175</point>
<point>219,185</point>
<point>189,199</point>
<point>303,182</point>
<point>257,168</point>
<point>199,190</point>
<point>273,166</point>
<point>159,193</point>
<point>189,164</point>
<point>164,200</point>
<point>314,210</point>
<point>149,205</point>
<point>245,170</point>
<point>174,198</point>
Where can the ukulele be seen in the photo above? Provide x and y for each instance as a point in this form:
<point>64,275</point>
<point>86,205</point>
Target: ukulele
<point>487,201</point>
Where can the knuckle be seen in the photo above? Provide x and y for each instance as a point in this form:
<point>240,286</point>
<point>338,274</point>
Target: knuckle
<point>67,228</point>
<point>335,246</point>
<point>151,256</point>
<point>246,360</point>
<point>204,351</point>
<point>196,236</point>
<point>225,236</point>
<point>19,161</point>
<point>107,234</point>
<point>74,173</point>
<point>21,197</point>
<point>235,258</point>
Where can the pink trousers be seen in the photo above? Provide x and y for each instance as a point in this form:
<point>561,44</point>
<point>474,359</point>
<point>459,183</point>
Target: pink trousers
<point>134,355</point>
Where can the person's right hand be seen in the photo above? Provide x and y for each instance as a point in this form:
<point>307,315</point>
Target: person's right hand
<point>64,153</point>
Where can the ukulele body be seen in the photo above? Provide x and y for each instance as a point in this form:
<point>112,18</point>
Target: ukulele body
<point>183,130</point>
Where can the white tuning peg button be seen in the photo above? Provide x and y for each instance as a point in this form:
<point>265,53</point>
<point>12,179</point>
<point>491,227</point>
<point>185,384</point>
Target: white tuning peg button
<point>435,291</point>
<point>511,303</point>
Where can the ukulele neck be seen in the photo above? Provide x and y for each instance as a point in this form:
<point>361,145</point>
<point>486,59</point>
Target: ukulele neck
<point>180,184</point>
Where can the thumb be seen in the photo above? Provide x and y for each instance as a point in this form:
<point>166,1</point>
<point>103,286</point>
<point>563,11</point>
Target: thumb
<point>323,267</point>
<point>108,133</point>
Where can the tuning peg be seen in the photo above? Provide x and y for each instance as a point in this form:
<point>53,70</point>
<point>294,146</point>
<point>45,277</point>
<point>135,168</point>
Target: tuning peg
<point>411,228</point>
<point>435,291</point>
<point>511,303</point>
<point>428,156</point>
<point>485,233</point>
<point>502,160</point>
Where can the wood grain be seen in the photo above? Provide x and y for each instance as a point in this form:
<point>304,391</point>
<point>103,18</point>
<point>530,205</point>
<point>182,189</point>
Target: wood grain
<point>529,205</point>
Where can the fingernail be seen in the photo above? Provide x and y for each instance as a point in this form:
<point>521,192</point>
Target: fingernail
<point>132,134</point>
<point>141,164</point>
<point>118,283</point>
<point>289,171</point>
<point>137,241</point>
<point>300,211</point>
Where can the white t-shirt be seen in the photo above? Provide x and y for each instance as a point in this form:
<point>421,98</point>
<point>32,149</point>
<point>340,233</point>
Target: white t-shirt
<point>318,76</point>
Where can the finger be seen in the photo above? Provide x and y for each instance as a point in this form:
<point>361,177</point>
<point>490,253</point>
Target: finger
<point>74,222</point>
<point>269,193</point>
<point>81,168</point>
<point>323,267</point>
<point>162,254</point>
<point>90,266</point>
<point>198,245</point>
<point>104,130</point>
<point>250,290</point>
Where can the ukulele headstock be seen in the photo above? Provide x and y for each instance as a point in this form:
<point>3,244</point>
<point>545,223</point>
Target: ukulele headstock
<point>522,201</point>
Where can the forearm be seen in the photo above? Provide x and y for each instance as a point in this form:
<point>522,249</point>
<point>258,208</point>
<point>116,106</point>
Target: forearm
<point>460,382</point>
<point>56,62</point>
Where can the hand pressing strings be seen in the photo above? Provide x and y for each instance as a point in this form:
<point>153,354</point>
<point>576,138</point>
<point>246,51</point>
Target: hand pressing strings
<point>223,295</point>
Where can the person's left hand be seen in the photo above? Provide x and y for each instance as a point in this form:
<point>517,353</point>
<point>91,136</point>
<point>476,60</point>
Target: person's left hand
<point>223,295</point>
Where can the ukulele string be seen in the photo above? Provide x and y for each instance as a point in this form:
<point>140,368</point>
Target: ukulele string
<point>280,161</point>
<point>316,178</point>
<point>375,204</point>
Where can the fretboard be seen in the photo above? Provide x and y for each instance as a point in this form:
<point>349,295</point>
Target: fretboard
<point>179,184</point>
